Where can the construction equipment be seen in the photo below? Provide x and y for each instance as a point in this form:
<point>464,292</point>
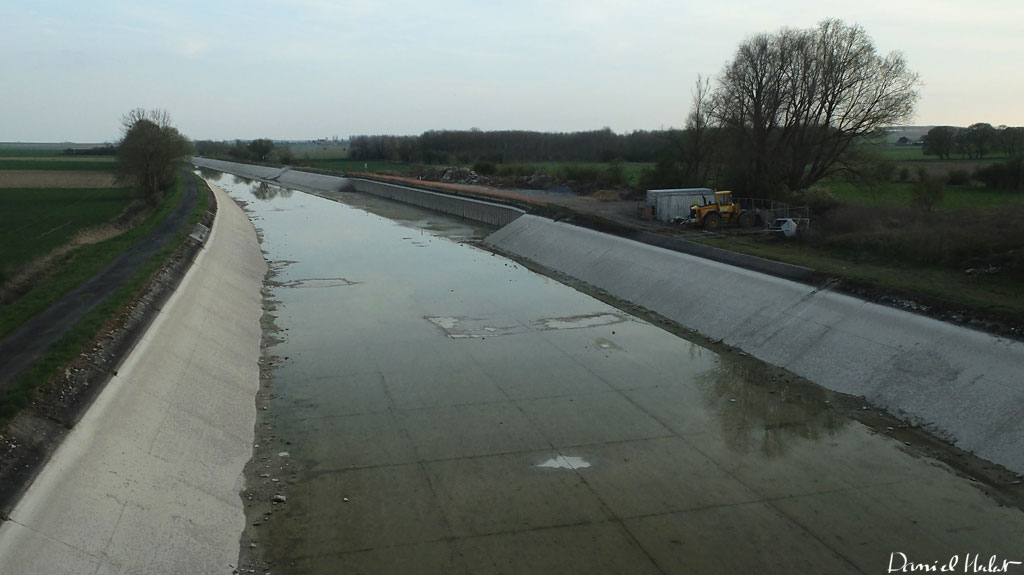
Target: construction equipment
<point>720,210</point>
<point>710,209</point>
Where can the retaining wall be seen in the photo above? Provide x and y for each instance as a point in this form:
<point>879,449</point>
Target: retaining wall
<point>961,384</point>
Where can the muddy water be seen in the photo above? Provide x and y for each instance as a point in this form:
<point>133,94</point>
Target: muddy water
<point>435,408</point>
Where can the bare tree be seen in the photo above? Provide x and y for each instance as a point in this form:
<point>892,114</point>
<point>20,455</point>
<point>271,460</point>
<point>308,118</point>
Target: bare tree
<point>149,151</point>
<point>796,100</point>
<point>699,135</point>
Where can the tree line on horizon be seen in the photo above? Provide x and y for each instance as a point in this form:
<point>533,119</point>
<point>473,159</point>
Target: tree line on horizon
<point>973,142</point>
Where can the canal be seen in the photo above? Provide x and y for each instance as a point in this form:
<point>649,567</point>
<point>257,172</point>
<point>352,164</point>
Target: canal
<point>430,407</point>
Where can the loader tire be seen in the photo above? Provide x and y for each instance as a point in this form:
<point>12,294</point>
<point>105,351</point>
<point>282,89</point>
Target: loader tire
<point>747,219</point>
<point>713,221</point>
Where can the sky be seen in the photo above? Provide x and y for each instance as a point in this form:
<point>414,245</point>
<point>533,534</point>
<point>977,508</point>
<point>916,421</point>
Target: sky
<point>307,69</point>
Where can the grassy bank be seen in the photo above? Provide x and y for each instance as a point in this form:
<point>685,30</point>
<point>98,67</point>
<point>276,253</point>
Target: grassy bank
<point>345,165</point>
<point>887,194</point>
<point>19,394</point>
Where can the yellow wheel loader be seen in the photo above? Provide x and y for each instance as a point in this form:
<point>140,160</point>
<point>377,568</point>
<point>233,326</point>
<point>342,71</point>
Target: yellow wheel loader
<point>720,210</point>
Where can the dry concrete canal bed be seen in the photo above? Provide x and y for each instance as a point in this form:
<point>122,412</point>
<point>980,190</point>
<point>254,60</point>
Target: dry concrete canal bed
<point>434,408</point>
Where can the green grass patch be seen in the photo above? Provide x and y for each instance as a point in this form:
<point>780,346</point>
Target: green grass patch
<point>35,221</point>
<point>78,163</point>
<point>896,194</point>
<point>916,154</point>
<point>19,394</point>
<point>998,294</point>
<point>316,151</point>
<point>346,165</point>
<point>903,153</point>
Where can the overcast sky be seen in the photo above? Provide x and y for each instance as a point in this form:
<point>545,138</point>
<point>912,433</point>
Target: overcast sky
<point>303,69</point>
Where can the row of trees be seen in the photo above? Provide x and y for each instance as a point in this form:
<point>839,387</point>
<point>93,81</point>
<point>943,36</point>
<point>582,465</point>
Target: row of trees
<point>469,146</point>
<point>259,150</point>
<point>975,141</point>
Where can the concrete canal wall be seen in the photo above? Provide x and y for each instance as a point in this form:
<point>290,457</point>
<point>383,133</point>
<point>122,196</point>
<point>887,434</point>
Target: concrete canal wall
<point>480,211</point>
<point>476,210</point>
<point>961,384</point>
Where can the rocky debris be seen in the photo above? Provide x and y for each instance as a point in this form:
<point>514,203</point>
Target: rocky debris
<point>539,181</point>
<point>452,175</point>
<point>459,176</point>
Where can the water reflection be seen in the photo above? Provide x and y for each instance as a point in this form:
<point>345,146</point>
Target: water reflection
<point>209,174</point>
<point>266,191</point>
<point>765,419</point>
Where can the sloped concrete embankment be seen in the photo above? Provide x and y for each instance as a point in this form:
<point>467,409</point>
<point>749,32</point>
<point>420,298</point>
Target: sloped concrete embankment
<point>149,479</point>
<point>476,210</point>
<point>962,385</point>
<point>480,211</point>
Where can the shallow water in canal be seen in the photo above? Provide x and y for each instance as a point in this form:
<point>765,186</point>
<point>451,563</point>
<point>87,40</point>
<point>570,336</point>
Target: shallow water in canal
<point>435,408</point>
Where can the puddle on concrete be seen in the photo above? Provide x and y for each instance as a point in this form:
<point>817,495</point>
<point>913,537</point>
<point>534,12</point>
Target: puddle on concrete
<point>318,283</point>
<point>416,401</point>
<point>581,321</point>
<point>606,344</point>
<point>565,462</point>
<point>483,327</point>
<point>471,327</point>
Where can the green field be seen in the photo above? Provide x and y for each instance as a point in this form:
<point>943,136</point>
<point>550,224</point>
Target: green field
<point>30,152</point>
<point>316,151</point>
<point>83,163</point>
<point>895,194</point>
<point>916,154</point>
<point>35,221</point>
<point>345,165</point>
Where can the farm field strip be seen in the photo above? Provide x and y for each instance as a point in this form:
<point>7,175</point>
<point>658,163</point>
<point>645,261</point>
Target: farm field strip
<point>75,163</point>
<point>35,221</point>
